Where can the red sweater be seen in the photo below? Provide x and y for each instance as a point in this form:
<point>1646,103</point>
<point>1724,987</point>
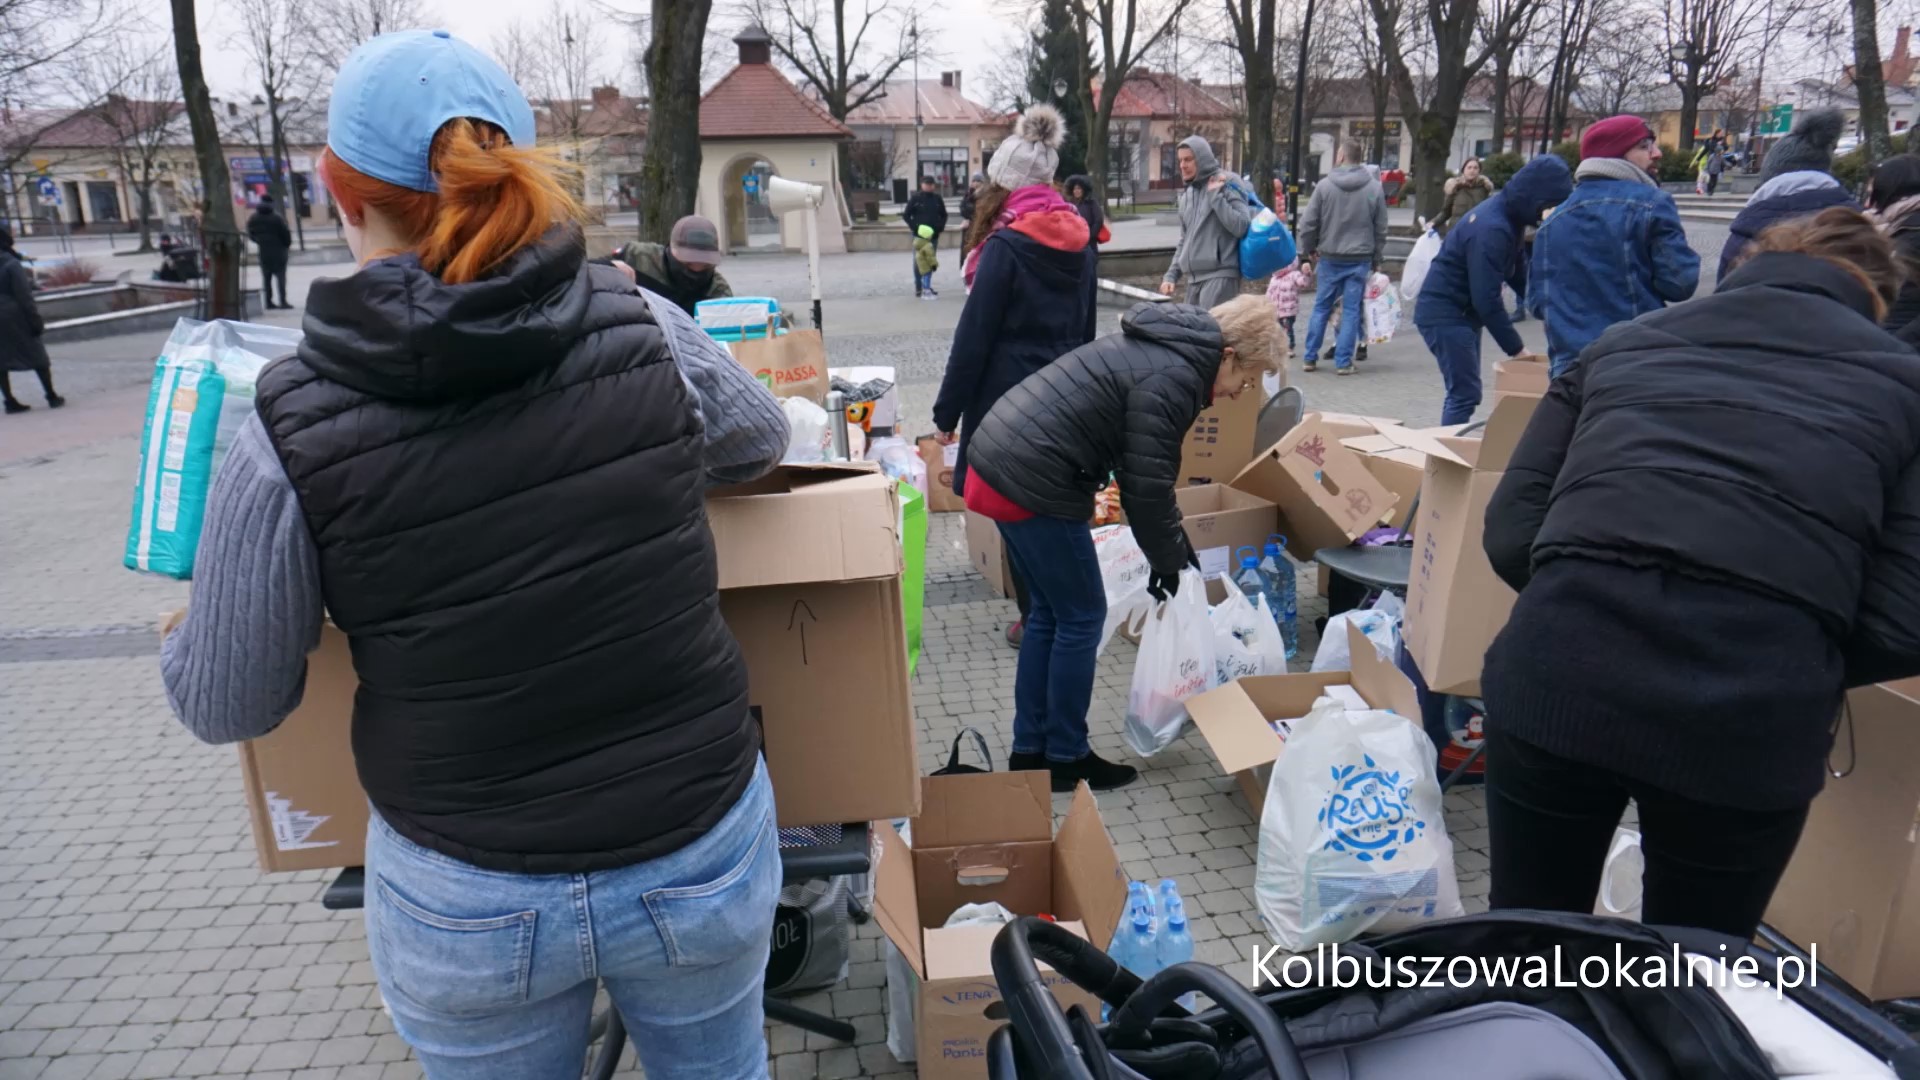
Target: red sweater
<point>990,504</point>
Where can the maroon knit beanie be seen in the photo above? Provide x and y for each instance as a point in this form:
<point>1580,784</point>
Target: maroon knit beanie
<point>1614,136</point>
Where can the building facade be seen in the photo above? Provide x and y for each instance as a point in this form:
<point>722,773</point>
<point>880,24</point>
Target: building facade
<point>925,127</point>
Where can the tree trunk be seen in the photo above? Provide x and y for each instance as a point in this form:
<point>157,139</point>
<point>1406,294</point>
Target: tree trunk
<point>1870,82</point>
<point>670,166</point>
<point>1689,110</point>
<point>1379,125</point>
<point>1432,142</point>
<point>1260,155</point>
<point>224,245</point>
<point>146,206</point>
<point>1502,83</point>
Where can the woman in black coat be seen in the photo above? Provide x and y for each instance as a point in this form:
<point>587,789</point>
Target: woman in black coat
<point>1893,198</point>
<point>1713,523</point>
<point>1120,404</point>
<point>20,330</point>
<point>1079,192</point>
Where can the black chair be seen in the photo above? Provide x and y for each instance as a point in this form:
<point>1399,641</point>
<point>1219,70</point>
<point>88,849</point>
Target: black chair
<point>805,854</point>
<point>1385,568</point>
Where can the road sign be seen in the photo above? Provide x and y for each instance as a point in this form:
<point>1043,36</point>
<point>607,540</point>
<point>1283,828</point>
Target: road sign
<point>1778,120</point>
<point>751,182</point>
<point>47,189</point>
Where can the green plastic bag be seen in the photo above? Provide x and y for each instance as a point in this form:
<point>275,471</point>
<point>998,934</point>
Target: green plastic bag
<point>913,549</point>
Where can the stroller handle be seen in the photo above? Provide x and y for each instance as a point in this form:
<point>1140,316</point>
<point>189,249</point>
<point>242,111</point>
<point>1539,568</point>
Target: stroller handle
<point>1282,1058</point>
<point>1034,1016</point>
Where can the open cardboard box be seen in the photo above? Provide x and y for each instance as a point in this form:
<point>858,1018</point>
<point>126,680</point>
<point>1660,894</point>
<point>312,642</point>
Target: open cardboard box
<point>1853,887</point>
<point>1527,374</point>
<point>1326,496</point>
<point>1456,604</point>
<point>1220,442</point>
<point>1237,720</point>
<point>810,568</point>
<point>1397,457</point>
<point>979,838</point>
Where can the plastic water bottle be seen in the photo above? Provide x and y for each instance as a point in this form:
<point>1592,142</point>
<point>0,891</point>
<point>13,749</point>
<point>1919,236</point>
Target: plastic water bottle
<point>1134,945</point>
<point>1285,584</point>
<point>1253,583</point>
<point>1176,946</point>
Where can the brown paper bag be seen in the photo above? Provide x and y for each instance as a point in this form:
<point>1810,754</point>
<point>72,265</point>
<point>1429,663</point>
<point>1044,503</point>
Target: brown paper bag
<point>791,365</point>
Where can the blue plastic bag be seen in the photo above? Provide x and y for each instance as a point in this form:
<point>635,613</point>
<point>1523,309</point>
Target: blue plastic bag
<point>1268,246</point>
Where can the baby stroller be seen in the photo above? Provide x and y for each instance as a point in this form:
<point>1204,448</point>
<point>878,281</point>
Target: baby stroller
<point>1386,1017</point>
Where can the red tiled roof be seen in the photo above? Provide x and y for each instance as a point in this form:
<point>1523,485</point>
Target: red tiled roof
<point>594,118</point>
<point>939,104</point>
<point>753,101</point>
<point>1148,94</point>
<point>98,127</point>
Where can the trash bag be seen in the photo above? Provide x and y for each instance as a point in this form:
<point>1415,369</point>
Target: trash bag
<point>1382,307</point>
<point>1352,837</point>
<point>1414,273</point>
<point>1176,661</point>
<point>202,394</point>
<point>1246,640</point>
<point>1124,572</point>
<point>1381,624</point>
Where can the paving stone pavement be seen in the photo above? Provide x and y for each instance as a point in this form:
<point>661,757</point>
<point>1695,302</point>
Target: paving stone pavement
<point>138,939</point>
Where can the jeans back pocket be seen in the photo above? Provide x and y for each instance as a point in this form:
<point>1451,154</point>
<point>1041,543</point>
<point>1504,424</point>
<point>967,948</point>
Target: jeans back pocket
<point>712,923</point>
<point>453,965</point>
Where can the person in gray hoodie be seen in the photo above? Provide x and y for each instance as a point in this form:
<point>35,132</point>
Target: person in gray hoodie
<point>1345,227</point>
<point>1214,214</point>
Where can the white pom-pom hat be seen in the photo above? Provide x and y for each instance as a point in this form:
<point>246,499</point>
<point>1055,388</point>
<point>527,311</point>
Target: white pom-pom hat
<point>1031,154</point>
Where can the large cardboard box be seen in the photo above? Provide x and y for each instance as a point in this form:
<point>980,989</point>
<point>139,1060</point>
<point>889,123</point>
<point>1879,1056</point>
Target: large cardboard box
<point>1352,425</point>
<point>1455,602</point>
<point>1399,463</point>
<point>940,462</point>
<point>1326,496</point>
<point>1237,721</point>
<point>1220,520</point>
<point>1853,888</point>
<point>988,553</point>
<point>980,838</point>
<point>1220,442</point>
<point>810,570</point>
<point>1527,375</point>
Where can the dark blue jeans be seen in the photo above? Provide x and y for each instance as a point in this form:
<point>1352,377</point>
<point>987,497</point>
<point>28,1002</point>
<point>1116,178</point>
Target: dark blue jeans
<point>1457,349</point>
<point>1068,608</point>
<point>1343,282</point>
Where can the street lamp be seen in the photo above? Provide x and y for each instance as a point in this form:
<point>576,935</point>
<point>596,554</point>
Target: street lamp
<point>1299,117</point>
<point>1060,89</point>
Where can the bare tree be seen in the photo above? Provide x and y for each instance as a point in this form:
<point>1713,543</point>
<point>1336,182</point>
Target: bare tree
<point>1622,65</point>
<point>845,56</point>
<point>513,46</point>
<point>1253,23</point>
<point>670,169</point>
<point>1355,26</point>
<point>133,90</point>
<point>224,244</point>
<point>1007,83</point>
<point>1869,82</point>
<point>278,41</point>
<point>38,38</point>
<point>1506,27</point>
<point>338,26</point>
<point>1124,34</point>
<point>1704,42</point>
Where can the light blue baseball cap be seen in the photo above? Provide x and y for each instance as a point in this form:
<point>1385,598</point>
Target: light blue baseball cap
<point>396,91</point>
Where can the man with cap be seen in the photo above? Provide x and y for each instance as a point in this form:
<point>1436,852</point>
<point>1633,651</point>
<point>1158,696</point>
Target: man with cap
<point>684,269</point>
<point>1796,180</point>
<point>269,233</point>
<point>1615,249</point>
<point>929,209</point>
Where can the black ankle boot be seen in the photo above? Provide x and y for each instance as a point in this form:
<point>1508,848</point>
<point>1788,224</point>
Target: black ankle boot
<point>17,407</point>
<point>1100,774</point>
<point>54,400</point>
<point>1026,762</point>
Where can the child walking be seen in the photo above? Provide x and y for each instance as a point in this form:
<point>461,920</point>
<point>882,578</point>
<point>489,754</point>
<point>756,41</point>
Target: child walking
<point>1283,292</point>
<point>925,262</point>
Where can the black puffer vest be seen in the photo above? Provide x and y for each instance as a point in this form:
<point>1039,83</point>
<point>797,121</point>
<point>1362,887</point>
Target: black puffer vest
<point>504,482</point>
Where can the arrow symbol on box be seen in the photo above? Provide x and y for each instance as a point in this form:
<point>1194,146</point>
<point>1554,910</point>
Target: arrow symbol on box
<point>795,620</point>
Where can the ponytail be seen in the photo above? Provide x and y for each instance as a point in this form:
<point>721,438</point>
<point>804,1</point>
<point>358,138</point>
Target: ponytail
<point>494,199</point>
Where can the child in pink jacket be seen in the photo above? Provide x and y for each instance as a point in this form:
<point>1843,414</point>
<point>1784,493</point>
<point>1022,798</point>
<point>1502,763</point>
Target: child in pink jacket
<point>1283,292</point>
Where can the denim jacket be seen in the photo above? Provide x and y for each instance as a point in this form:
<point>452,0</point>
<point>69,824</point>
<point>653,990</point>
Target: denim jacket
<point>1612,252</point>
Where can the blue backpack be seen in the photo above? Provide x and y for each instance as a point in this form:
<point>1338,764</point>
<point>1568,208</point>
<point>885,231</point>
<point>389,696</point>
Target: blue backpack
<point>1268,246</point>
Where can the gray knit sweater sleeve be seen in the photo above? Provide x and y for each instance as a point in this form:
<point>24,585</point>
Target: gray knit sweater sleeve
<point>238,664</point>
<point>746,431</point>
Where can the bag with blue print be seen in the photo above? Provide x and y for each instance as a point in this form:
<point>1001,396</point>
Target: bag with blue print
<point>1353,838</point>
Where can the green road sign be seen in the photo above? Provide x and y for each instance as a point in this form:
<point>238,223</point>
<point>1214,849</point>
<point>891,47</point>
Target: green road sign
<point>1778,120</point>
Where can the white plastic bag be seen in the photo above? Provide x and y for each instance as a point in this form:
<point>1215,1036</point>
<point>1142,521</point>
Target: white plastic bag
<point>1621,875</point>
<point>1419,261</point>
<point>1124,572</point>
<point>1176,661</point>
<point>987,914</point>
<point>1352,837</point>
<point>1382,307</point>
<point>1246,641</point>
<point>807,426</point>
<point>1381,624</point>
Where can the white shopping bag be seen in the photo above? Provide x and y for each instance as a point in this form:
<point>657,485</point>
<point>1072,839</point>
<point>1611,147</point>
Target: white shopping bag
<point>1419,261</point>
<point>1381,625</point>
<point>1352,838</point>
<point>1620,876</point>
<point>1246,640</point>
<point>1176,661</point>
<point>1383,310</point>
<point>1124,572</point>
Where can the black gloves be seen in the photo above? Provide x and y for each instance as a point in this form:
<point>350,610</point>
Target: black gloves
<point>1163,587</point>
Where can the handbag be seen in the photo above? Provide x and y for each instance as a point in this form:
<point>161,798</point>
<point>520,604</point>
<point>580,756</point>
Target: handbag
<point>1268,245</point>
<point>953,766</point>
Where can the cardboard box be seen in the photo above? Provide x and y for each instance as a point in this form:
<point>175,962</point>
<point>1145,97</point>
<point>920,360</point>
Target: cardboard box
<point>810,570</point>
<point>988,553</point>
<point>1237,720</point>
<point>1220,442</point>
<point>1455,602</point>
<point>308,810</point>
<point>940,462</point>
<point>1526,374</point>
<point>1353,425</point>
<point>1219,520</point>
<point>1326,496</point>
<point>1853,887</point>
<point>1399,466</point>
<point>979,838</point>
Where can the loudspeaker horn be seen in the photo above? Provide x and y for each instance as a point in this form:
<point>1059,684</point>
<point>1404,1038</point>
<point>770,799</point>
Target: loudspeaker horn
<point>785,196</point>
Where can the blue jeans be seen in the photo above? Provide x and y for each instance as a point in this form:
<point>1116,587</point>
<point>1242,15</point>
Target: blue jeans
<point>1068,608</point>
<point>1341,281</point>
<point>1457,349</point>
<point>490,975</point>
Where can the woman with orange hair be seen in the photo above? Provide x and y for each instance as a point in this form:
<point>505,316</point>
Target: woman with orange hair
<point>486,464</point>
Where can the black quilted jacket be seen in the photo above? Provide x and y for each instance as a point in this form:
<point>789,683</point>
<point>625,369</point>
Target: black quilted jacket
<point>1119,404</point>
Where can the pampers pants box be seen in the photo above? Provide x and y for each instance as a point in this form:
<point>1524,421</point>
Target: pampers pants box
<point>980,838</point>
<point>810,584</point>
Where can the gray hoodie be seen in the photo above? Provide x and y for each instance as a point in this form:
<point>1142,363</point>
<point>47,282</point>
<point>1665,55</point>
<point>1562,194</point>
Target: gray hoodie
<point>1346,218</point>
<point>1211,222</point>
